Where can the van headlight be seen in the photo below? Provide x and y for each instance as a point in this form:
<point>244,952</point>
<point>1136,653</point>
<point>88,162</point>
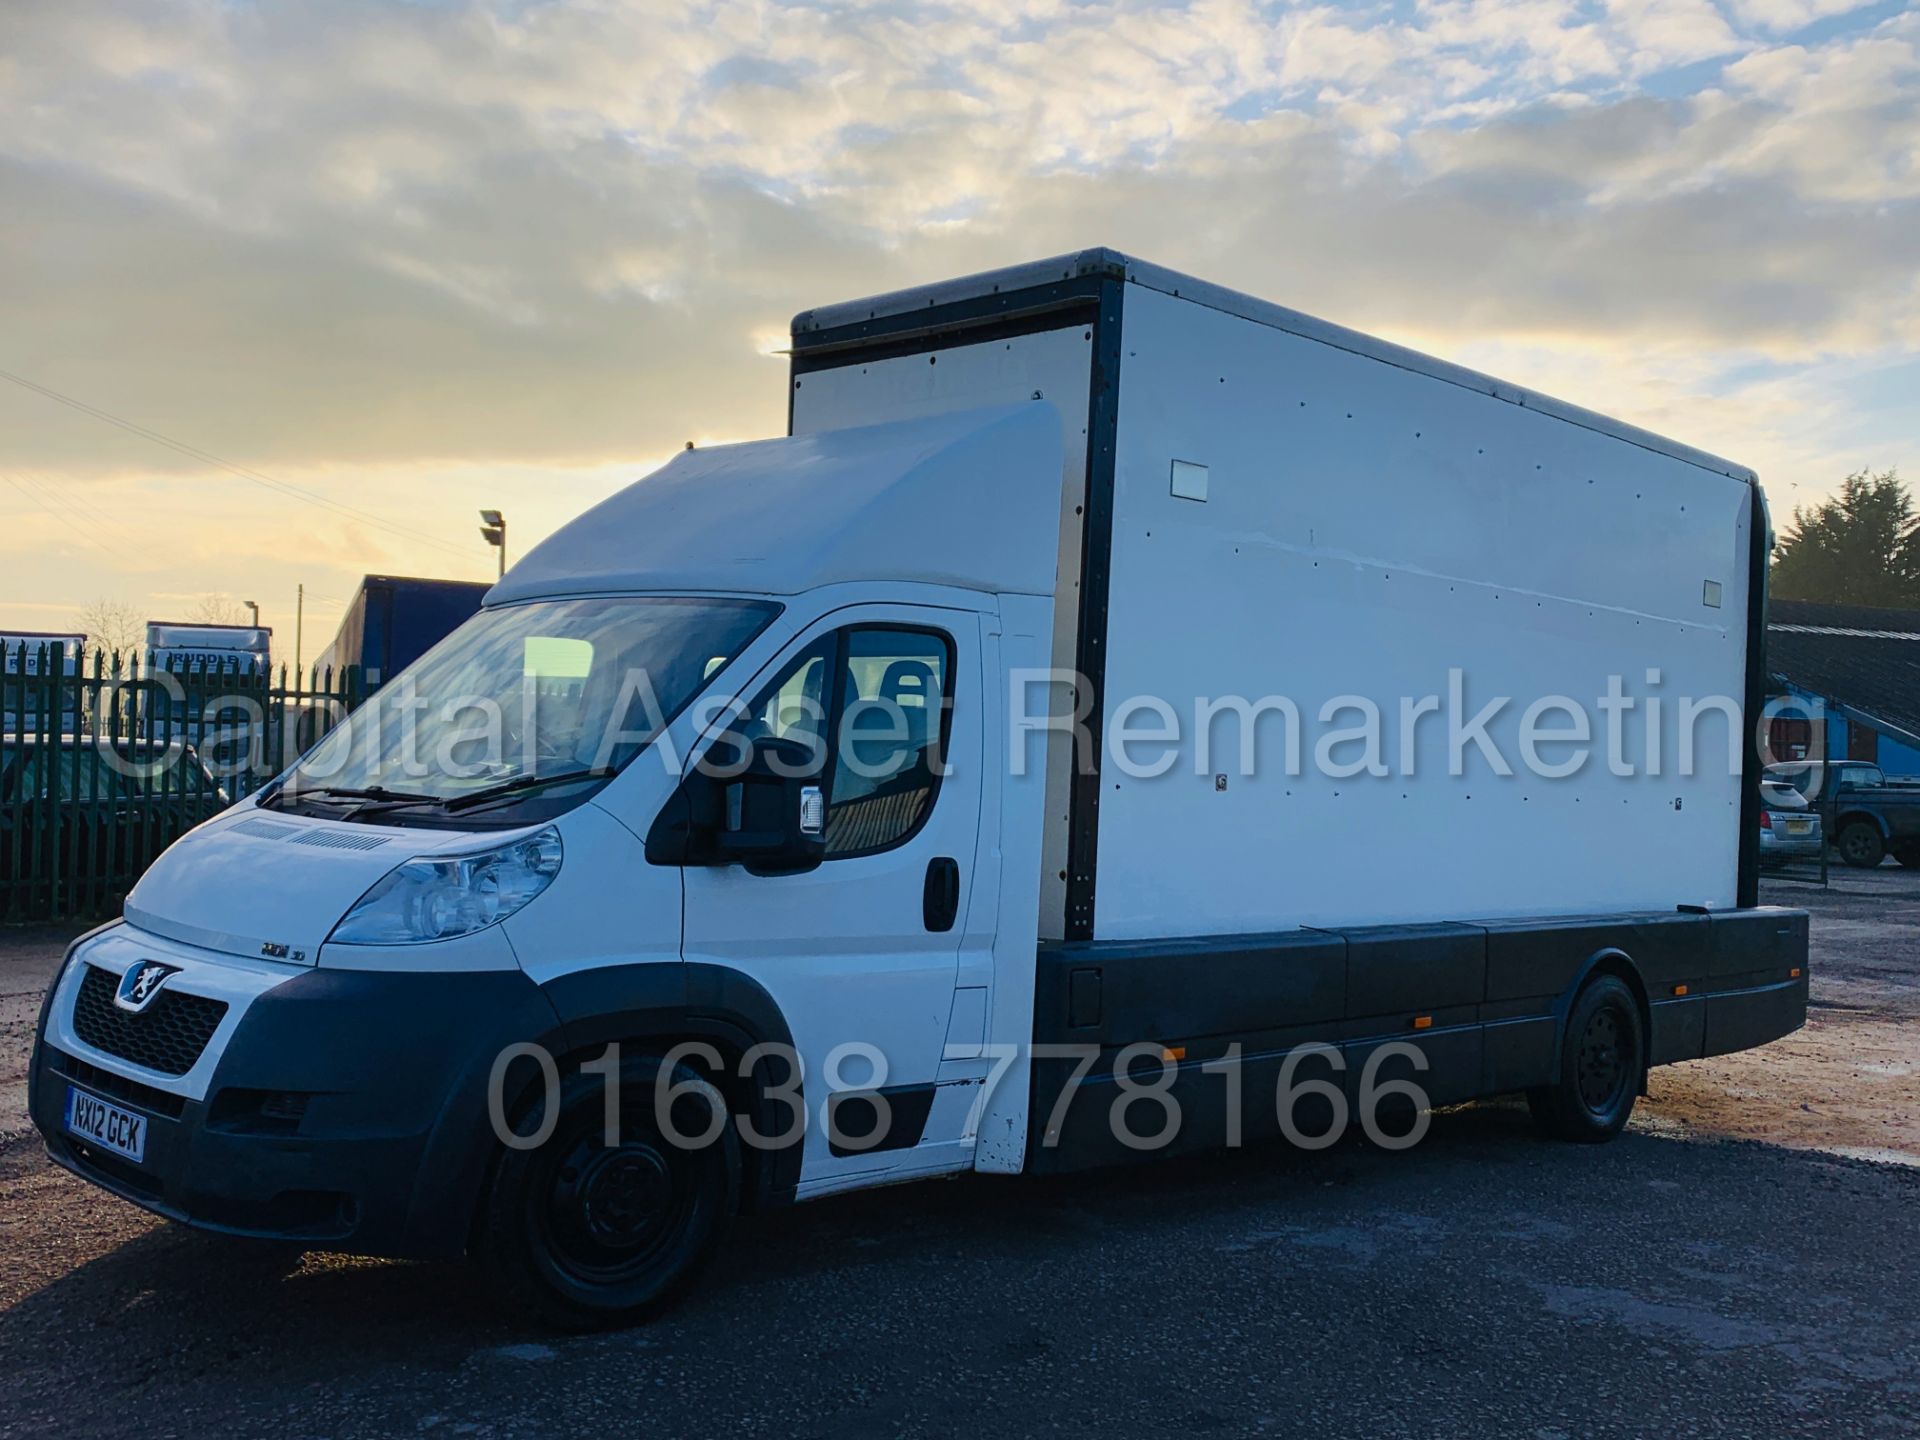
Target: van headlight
<point>438,899</point>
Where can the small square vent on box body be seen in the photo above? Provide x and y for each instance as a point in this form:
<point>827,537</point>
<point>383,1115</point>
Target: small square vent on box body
<point>1189,481</point>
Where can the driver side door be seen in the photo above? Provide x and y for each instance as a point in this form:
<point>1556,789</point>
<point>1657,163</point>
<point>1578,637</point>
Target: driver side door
<point>861,952</point>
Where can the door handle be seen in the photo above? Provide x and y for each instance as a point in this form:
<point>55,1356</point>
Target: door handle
<point>940,900</point>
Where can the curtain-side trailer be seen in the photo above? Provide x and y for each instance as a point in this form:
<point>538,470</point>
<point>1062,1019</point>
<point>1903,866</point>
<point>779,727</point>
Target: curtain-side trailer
<point>1121,717</point>
<point>392,621</point>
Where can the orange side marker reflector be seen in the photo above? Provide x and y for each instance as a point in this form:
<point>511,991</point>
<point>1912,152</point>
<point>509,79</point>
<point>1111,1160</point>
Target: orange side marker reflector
<point>1173,1052</point>
<point>1794,974</point>
<point>1423,1022</point>
<point>1679,989</point>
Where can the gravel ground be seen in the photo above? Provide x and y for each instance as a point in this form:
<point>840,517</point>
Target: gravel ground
<point>1729,1267</point>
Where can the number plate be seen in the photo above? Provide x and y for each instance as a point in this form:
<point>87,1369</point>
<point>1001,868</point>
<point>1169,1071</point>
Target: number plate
<point>107,1126</point>
<point>1799,827</point>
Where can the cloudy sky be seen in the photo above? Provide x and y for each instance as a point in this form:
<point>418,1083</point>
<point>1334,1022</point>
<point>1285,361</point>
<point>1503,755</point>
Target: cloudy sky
<point>392,262</point>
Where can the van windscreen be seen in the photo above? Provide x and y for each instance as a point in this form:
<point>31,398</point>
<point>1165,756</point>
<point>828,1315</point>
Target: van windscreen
<point>560,691</point>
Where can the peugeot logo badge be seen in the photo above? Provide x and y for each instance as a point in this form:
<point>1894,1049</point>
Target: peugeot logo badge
<point>141,983</point>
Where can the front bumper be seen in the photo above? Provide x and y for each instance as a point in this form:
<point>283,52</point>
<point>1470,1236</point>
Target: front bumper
<point>349,1192</point>
<point>346,1110</point>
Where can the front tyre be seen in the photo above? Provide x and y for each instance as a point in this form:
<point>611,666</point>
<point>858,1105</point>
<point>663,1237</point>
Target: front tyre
<point>588,1235</point>
<point>1602,1060</point>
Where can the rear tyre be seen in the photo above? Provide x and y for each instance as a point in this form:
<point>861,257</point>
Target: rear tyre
<point>1602,1061</point>
<point>1860,845</point>
<point>583,1235</point>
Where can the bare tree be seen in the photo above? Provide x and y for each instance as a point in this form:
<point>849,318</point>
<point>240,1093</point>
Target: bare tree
<point>113,626</point>
<point>218,610</point>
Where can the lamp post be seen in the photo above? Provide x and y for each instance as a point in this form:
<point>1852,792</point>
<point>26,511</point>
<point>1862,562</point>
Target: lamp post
<point>493,529</point>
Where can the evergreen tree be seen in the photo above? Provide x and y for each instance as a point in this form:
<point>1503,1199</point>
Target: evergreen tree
<point>1862,547</point>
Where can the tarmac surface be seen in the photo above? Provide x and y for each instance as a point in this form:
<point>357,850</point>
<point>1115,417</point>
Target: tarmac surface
<point>1740,1263</point>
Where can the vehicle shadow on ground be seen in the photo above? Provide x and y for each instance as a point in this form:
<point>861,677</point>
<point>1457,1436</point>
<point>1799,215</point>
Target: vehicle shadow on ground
<point>202,1290</point>
<point>175,1299</point>
<point>1016,1211</point>
<point>206,1292</point>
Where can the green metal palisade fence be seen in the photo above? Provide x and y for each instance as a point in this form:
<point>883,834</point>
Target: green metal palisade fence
<point>105,761</point>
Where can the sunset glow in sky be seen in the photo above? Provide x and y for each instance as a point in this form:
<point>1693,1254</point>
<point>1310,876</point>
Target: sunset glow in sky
<point>413,259</point>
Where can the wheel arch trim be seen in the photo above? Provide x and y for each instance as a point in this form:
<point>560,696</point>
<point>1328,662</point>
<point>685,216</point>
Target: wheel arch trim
<point>1608,960</point>
<point>663,1003</point>
<point>1850,817</point>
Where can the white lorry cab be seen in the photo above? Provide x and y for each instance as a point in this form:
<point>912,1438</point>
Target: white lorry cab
<point>1120,718</point>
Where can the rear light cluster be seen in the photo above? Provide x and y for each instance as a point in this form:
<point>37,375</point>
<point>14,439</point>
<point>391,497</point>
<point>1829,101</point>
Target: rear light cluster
<point>1766,820</point>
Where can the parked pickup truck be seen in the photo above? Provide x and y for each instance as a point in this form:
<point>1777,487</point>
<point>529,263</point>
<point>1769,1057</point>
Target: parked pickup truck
<point>1869,816</point>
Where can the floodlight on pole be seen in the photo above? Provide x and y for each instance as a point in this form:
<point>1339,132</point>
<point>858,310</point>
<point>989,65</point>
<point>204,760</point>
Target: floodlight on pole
<point>493,530</point>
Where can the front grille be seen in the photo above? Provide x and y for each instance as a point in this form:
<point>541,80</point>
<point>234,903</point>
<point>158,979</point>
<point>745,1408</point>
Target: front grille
<point>167,1036</point>
<point>116,1087</point>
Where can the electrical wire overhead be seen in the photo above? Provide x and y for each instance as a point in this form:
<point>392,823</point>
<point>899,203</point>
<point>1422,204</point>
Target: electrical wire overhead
<point>66,518</point>
<point>207,457</point>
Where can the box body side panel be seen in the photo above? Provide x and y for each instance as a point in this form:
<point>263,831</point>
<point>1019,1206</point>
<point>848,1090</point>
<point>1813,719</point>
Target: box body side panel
<point>1372,536</point>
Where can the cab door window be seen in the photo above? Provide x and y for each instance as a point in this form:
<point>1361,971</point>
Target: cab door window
<point>880,694</point>
<point>889,736</point>
<point>794,707</point>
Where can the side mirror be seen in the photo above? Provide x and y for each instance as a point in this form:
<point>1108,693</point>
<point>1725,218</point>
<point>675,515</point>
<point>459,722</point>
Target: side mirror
<point>771,816</point>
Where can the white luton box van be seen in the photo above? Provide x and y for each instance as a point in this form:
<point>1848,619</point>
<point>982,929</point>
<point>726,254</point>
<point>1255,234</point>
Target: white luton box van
<point>1121,717</point>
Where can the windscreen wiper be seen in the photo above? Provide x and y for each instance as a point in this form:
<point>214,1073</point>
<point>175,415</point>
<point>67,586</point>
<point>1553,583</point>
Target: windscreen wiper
<point>372,792</point>
<point>527,782</point>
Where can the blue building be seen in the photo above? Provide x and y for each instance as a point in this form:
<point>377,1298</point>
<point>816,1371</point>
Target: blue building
<point>1863,667</point>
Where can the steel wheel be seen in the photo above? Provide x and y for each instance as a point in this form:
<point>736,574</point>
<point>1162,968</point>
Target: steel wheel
<point>1601,1063</point>
<point>1602,1058</point>
<point>607,1213</point>
<point>588,1230</point>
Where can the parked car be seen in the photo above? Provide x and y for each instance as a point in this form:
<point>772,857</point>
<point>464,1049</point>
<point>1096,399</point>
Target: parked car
<point>68,799</point>
<point>1790,829</point>
<point>1868,816</point>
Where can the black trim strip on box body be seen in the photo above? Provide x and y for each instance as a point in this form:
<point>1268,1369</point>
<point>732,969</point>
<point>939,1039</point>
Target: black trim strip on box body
<point>1485,1002</point>
<point>1000,316</point>
<point>1096,574</point>
<point>1759,550</point>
